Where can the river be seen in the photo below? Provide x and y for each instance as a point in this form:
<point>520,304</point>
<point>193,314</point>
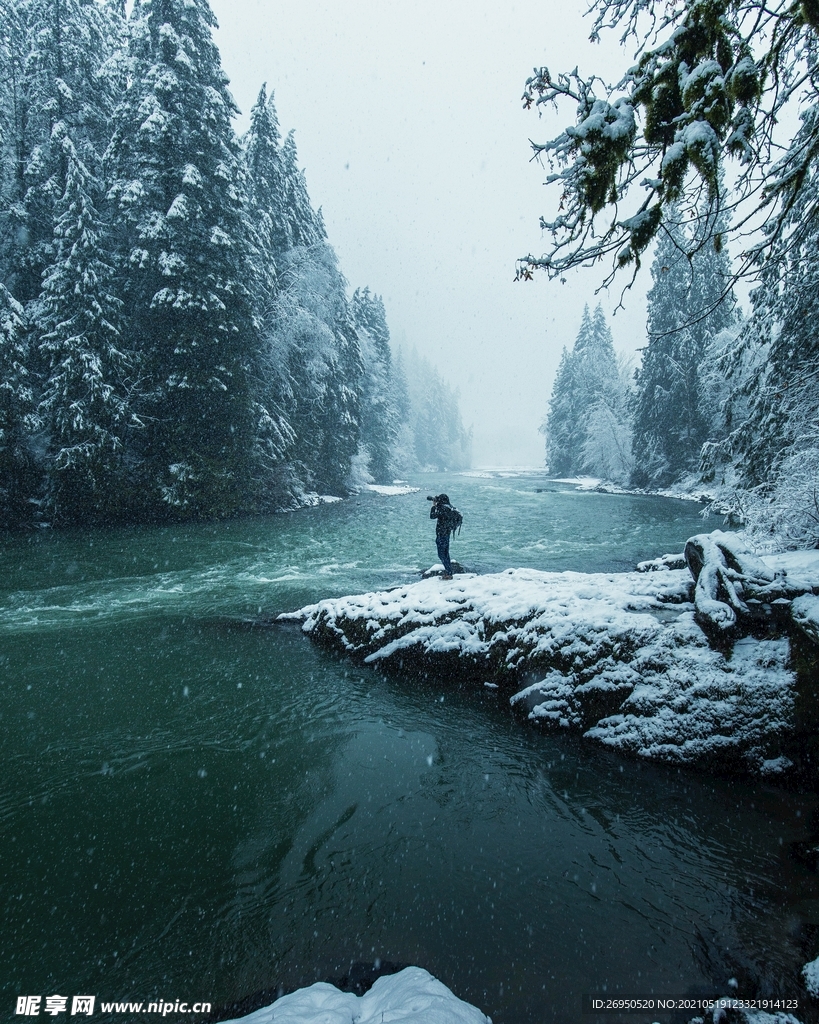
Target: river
<point>197,804</point>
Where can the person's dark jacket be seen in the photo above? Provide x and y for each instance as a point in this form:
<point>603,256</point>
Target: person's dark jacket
<point>449,519</point>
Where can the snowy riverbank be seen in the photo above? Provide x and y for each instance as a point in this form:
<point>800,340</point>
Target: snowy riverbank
<point>616,657</point>
<point>690,490</point>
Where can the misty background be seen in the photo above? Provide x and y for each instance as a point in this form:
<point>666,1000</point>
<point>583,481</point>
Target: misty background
<point>415,145</point>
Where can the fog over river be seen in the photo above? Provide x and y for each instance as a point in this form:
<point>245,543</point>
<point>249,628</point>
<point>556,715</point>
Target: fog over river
<point>198,804</point>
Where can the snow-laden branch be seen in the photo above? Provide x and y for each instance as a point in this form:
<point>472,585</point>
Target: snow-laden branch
<point>712,82</point>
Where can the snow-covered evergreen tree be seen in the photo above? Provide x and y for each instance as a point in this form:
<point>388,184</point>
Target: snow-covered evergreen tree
<point>275,482</point>
<point>689,304</point>
<point>85,402</point>
<point>179,193</point>
<point>267,211</point>
<point>773,371</point>
<point>18,417</point>
<point>61,69</point>
<point>305,226</point>
<point>561,421</point>
<point>315,338</point>
<point>780,341</point>
<point>440,440</point>
<point>379,415</point>
<point>341,414</point>
<point>183,344</point>
<point>607,447</point>
<point>588,379</point>
<point>310,372</point>
<point>405,458</point>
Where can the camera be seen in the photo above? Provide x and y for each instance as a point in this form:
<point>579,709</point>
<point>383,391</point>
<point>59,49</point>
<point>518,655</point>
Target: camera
<point>430,498</point>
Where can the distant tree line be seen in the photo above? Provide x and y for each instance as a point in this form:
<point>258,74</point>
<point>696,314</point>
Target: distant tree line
<point>647,427</point>
<point>719,399</point>
<point>176,337</point>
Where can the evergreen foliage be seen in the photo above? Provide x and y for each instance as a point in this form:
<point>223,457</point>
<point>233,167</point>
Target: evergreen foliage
<point>316,340</point>
<point>774,366</point>
<point>607,448</point>
<point>19,477</point>
<point>176,339</point>
<point>178,190</point>
<point>85,402</point>
<point>562,422</point>
<point>304,225</point>
<point>61,72</point>
<point>713,80</point>
<point>672,419</point>
<point>587,427</point>
<point>439,441</point>
<point>772,403</point>
<point>266,197</point>
<point>379,413</point>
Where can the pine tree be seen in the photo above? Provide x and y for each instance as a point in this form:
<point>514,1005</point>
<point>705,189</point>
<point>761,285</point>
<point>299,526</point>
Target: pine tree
<point>274,483</point>
<point>440,440</point>
<point>774,367</point>
<point>315,338</point>
<point>267,211</point>
<point>61,70</point>
<point>305,226</point>
<point>85,403</point>
<point>18,417</point>
<point>311,372</point>
<point>687,308</point>
<point>587,378</point>
<point>607,446</point>
<point>341,414</point>
<point>562,422</point>
<point>179,193</point>
<point>405,459</point>
<point>379,416</point>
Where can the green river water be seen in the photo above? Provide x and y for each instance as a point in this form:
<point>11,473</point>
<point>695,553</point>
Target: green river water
<point>197,804</point>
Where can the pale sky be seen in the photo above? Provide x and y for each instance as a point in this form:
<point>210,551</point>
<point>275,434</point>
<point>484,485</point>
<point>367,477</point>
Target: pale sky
<point>410,130</point>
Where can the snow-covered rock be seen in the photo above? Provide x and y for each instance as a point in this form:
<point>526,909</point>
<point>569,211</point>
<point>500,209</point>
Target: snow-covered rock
<point>617,657</point>
<point>805,613</point>
<point>412,996</point>
<point>810,972</point>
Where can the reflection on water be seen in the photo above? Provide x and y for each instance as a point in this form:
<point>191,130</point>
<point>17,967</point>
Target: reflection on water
<point>195,804</point>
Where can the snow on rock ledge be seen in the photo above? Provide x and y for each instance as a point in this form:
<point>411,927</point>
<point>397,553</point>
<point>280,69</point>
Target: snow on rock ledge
<point>412,996</point>
<point>810,973</point>
<point>805,612</point>
<point>620,659</point>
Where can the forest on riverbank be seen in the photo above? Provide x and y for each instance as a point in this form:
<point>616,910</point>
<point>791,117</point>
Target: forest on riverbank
<point>710,141</point>
<point>177,339</point>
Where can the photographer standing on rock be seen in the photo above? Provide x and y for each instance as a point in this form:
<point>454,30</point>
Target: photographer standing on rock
<point>449,520</point>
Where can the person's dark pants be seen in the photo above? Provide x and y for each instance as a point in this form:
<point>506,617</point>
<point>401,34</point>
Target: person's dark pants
<point>442,543</point>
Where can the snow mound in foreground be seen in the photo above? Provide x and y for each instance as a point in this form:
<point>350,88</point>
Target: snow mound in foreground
<point>412,996</point>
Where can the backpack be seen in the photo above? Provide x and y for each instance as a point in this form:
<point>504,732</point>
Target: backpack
<point>455,519</point>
